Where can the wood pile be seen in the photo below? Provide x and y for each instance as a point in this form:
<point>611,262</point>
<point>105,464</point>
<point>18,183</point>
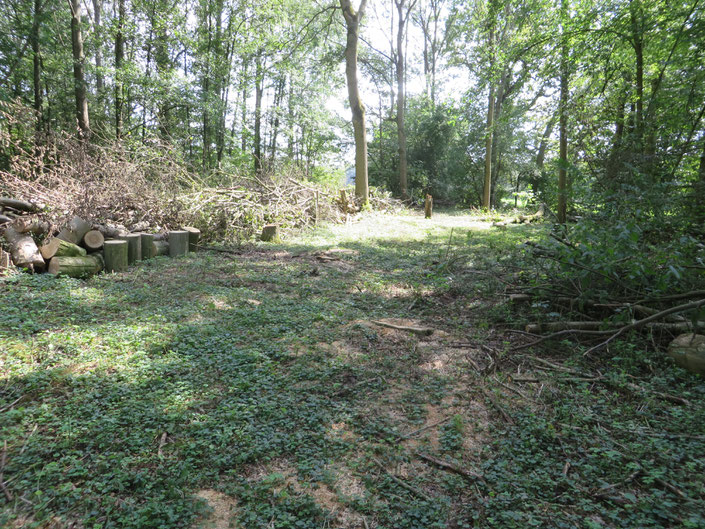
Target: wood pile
<point>80,248</point>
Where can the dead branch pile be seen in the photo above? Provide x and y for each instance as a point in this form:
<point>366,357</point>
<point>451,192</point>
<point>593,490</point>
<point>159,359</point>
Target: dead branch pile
<point>599,305</point>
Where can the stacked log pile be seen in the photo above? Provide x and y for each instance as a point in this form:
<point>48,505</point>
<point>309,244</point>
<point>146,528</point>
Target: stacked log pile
<point>80,248</point>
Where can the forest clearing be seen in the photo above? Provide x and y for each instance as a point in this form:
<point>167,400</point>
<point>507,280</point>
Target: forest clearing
<point>262,388</point>
<point>385,264</point>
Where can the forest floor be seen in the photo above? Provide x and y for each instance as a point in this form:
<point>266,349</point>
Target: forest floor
<point>254,389</point>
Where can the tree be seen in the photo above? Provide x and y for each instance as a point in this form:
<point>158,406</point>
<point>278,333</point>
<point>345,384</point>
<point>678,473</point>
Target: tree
<point>352,22</point>
<point>78,74</point>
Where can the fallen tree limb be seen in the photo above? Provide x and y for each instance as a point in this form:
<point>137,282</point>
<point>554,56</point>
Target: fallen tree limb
<point>19,205</point>
<point>421,331</point>
<point>472,476</point>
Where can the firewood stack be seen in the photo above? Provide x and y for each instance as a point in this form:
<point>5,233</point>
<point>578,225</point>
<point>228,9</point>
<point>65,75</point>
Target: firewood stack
<point>79,249</point>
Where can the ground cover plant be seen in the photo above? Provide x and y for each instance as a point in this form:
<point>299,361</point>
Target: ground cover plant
<point>256,386</point>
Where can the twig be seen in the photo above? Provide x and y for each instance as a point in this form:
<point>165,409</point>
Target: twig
<point>162,442</point>
<point>402,483</point>
<point>427,427</point>
<point>11,405</point>
<point>499,407</point>
<point>472,476</point>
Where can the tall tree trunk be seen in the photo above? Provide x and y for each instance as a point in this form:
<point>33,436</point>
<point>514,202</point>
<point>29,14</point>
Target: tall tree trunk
<point>99,78</point>
<point>541,153</point>
<point>119,59</point>
<point>352,21</point>
<point>161,60</point>
<point>78,75</point>
<point>636,15</point>
<point>401,99</point>
<point>487,189</point>
<point>259,90</point>
<point>563,122</point>
<point>37,62</point>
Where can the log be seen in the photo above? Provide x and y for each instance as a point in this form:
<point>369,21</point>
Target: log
<point>161,247</point>
<point>178,243</point>
<point>147,243</point>
<point>110,232</point>
<point>59,248</point>
<point>19,205</point>
<point>31,225</point>
<point>24,251</point>
<point>688,351</point>
<point>270,233</point>
<point>134,247</point>
<point>93,240</point>
<point>115,255</point>
<point>194,235</point>
<point>428,206</point>
<point>421,331</point>
<point>75,230</point>
<point>84,266</point>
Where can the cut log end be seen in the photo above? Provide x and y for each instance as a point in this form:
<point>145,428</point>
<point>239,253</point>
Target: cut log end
<point>93,240</point>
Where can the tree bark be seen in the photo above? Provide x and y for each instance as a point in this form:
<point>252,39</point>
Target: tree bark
<point>352,22</point>
<point>119,59</point>
<point>134,247</point>
<point>147,246</point>
<point>259,90</point>
<point>37,64</point>
<point>59,248</point>
<point>75,230</point>
<point>78,75</point>
<point>178,243</point>
<point>563,122</point>
<point>115,254</point>
<point>84,266</point>
<point>24,251</point>
<point>401,96</point>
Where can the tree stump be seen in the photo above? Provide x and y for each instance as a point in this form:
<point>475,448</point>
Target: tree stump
<point>428,206</point>
<point>75,230</point>
<point>24,251</point>
<point>60,248</point>
<point>178,243</point>
<point>270,233</point>
<point>194,235</point>
<point>5,261</point>
<point>93,240</point>
<point>84,266</point>
<point>115,255</point>
<point>161,248</point>
<point>134,247</point>
<point>147,243</point>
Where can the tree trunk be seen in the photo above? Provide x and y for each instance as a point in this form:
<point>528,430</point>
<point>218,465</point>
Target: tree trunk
<point>487,189</point>
<point>78,75</point>
<point>563,122</point>
<point>194,235</point>
<point>119,58</point>
<point>37,64</point>
<point>401,100</point>
<point>259,90</point>
<point>134,247</point>
<point>352,21</point>
<point>99,78</point>
<point>147,246</point>
<point>85,266</point>
<point>636,16</point>
<point>24,251</point>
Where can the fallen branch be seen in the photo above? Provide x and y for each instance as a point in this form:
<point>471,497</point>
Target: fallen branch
<point>421,331</point>
<point>472,476</point>
<point>427,427</point>
<point>402,483</point>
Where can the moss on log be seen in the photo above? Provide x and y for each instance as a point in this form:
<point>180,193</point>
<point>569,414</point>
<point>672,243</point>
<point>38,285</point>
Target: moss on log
<point>83,266</point>
<point>60,248</point>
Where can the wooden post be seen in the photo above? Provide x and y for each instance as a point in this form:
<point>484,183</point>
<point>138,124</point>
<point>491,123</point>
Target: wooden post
<point>93,240</point>
<point>134,247</point>
<point>178,243</point>
<point>74,230</point>
<point>194,234</point>
<point>25,253</point>
<point>428,206</point>
<point>147,243</point>
<point>115,253</point>
<point>82,266</point>
<point>60,248</point>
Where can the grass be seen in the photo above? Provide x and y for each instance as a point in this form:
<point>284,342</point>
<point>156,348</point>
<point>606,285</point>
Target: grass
<point>259,379</point>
